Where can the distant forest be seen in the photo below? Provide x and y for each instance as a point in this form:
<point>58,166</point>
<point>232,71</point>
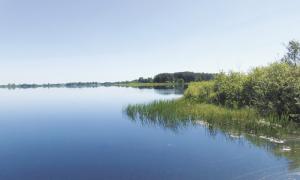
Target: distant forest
<point>177,77</point>
<point>58,85</point>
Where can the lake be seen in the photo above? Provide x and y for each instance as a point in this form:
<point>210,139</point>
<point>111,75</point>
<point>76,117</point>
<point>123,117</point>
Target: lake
<point>84,134</point>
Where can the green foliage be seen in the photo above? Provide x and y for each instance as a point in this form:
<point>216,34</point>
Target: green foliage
<point>201,91</point>
<point>296,116</point>
<point>186,76</point>
<point>163,78</point>
<point>272,90</point>
<point>145,80</point>
<point>229,89</point>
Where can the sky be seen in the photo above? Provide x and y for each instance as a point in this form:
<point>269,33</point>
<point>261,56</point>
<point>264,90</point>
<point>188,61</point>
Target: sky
<point>49,41</point>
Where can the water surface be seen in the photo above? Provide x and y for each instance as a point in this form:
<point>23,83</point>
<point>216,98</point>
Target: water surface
<point>81,134</point>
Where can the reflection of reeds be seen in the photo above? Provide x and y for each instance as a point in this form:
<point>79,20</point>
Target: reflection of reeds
<point>172,113</point>
<point>263,132</point>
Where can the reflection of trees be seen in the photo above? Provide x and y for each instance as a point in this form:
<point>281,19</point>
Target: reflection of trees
<point>165,90</point>
<point>178,91</point>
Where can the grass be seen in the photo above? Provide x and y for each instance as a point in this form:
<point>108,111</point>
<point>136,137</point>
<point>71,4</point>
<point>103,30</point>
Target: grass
<point>176,114</point>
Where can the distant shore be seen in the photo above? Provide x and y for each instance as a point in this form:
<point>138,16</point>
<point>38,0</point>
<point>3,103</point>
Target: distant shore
<point>48,85</point>
<point>137,84</point>
<point>89,85</point>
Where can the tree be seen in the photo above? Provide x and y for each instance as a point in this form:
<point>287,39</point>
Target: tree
<point>186,76</point>
<point>163,78</point>
<point>141,80</point>
<point>292,57</point>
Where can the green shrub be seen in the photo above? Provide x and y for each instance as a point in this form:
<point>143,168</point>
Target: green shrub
<point>201,91</point>
<point>272,90</point>
<point>229,89</point>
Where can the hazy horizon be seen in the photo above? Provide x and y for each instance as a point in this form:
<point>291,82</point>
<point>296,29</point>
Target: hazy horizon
<point>89,40</point>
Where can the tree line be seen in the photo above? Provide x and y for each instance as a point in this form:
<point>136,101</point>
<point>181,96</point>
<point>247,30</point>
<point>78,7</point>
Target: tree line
<point>48,85</point>
<point>177,77</point>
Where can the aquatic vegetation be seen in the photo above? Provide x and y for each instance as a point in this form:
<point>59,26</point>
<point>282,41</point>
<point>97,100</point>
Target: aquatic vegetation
<point>173,113</point>
<point>280,136</point>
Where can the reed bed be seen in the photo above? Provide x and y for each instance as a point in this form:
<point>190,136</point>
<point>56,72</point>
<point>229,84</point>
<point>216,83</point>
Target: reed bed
<point>180,112</point>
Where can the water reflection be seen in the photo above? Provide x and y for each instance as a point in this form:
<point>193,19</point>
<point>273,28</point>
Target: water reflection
<point>80,134</point>
<point>285,144</point>
<point>178,90</point>
<point>165,90</point>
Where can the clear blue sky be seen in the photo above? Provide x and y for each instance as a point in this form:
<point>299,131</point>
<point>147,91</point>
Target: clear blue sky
<point>110,40</point>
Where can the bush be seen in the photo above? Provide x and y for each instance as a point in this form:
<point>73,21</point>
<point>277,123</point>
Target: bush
<point>229,89</point>
<point>272,90</point>
<point>201,91</point>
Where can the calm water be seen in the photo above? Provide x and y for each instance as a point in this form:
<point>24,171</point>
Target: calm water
<point>83,134</point>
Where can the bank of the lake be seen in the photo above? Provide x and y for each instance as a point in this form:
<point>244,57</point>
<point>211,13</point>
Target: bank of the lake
<point>264,101</point>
